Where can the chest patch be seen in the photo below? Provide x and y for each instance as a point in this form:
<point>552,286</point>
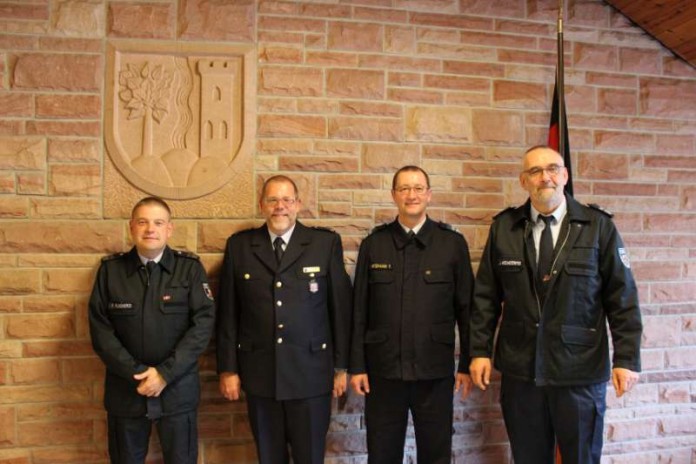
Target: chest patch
<point>380,266</point>
<point>510,264</point>
<point>119,305</point>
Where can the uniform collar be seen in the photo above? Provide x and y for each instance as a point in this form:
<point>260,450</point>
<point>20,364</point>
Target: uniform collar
<point>574,210</point>
<point>401,238</point>
<point>166,261</point>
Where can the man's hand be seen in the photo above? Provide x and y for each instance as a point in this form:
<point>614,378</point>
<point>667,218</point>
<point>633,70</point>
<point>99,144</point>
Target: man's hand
<point>480,371</point>
<point>151,382</point>
<point>623,380</point>
<point>340,383</point>
<point>360,384</point>
<point>230,385</point>
<point>462,381</point>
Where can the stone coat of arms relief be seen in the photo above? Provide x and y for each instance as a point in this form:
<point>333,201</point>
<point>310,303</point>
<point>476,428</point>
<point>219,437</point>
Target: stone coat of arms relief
<point>179,117</point>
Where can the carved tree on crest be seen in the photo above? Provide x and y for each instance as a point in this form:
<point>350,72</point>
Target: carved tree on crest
<point>146,94</point>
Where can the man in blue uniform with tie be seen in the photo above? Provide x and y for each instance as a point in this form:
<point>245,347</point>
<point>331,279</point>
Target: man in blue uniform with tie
<point>283,327</point>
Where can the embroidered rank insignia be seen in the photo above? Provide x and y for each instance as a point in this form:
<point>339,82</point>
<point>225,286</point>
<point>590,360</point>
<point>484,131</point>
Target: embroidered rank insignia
<point>623,254</point>
<point>208,293</point>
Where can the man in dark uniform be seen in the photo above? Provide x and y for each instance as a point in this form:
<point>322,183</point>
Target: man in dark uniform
<point>284,319</point>
<point>151,315</point>
<point>413,282</point>
<point>552,348</point>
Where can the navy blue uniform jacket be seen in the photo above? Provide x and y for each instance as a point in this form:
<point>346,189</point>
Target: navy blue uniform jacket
<point>284,328</point>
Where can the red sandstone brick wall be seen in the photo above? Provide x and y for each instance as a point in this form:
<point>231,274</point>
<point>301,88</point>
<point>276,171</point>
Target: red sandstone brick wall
<point>348,90</point>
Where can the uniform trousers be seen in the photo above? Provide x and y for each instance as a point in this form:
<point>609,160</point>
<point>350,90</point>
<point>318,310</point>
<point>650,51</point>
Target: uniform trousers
<point>302,424</point>
<point>129,438</point>
<point>538,417</point>
<point>386,416</point>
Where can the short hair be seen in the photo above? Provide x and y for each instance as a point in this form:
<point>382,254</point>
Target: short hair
<point>410,168</point>
<point>279,178</point>
<point>540,147</point>
<point>151,201</point>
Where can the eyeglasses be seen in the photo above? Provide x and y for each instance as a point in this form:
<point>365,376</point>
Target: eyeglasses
<point>552,170</point>
<point>406,189</point>
<point>273,201</point>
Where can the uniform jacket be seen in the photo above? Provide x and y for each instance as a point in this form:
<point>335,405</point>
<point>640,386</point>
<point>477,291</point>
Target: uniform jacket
<point>284,328</point>
<point>167,328</point>
<point>407,331</point>
<point>563,339</point>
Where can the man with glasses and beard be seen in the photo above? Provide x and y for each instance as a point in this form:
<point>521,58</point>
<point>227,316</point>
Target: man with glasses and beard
<point>413,284</point>
<point>554,272</point>
<point>283,327</point>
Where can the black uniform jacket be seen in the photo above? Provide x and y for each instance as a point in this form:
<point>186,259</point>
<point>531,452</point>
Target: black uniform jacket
<point>408,331</point>
<point>283,328</point>
<point>562,340</point>
<point>168,331</point>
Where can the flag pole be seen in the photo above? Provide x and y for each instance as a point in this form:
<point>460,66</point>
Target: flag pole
<point>560,84</point>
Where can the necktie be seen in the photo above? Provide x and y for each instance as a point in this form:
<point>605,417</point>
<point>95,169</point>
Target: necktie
<point>154,404</point>
<point>278,248</point>
<point>545,249</point>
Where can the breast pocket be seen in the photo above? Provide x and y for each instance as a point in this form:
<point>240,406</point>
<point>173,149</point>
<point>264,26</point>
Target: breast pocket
<point>119,309</point>
<point>175,299</point>
<point>381,276</point>
<point>312,281</point>
<point>438,276</point>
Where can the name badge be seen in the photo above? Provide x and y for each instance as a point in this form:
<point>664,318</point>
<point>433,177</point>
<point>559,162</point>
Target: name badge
<point>311,269</point>
<point>380,266</point>
<point>510,264</point>
<point>120,305</point>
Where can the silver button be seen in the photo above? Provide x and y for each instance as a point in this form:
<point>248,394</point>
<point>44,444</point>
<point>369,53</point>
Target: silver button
<point>280,326</point>
<point>280,340</point>
<point>279,303</point>
<point>323,346</point>
<point>279,284</point>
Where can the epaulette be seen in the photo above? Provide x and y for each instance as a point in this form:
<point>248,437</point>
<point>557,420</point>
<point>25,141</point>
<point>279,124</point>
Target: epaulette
<point>448,227</point>
<point>595,206</point>
<point>120,254</point>
<point>324,229</point>
<point>186,254</point>
<point>509,208</point>
<point>378,228</point>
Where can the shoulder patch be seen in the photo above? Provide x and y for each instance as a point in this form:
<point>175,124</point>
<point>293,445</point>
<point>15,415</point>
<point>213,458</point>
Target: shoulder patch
<point>378,228</point>
<point>448,227</point>
<point>596,207</point>
<point>508,209</point>
<point>186,254</point>
<point>114,256</point>
<point>323,229</point>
